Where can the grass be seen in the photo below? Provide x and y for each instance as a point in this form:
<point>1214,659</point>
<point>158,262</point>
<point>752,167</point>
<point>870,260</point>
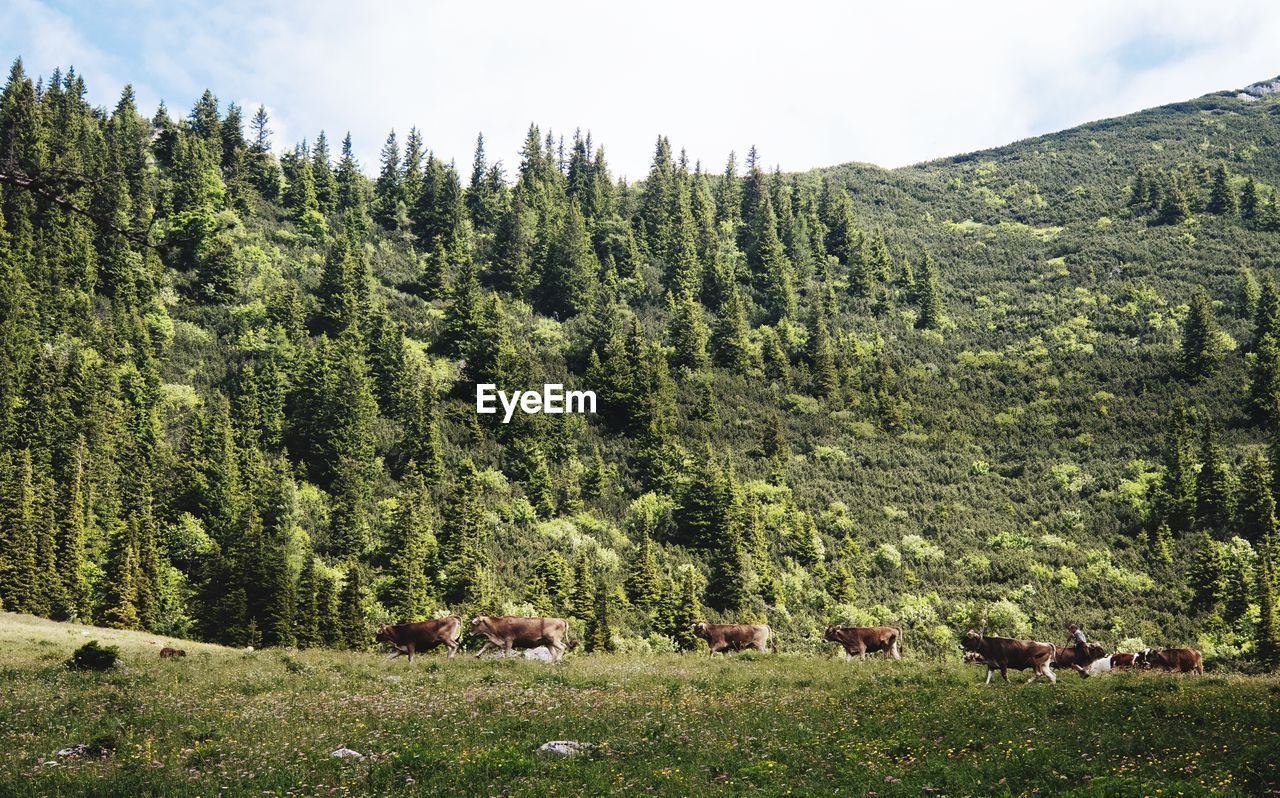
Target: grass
<point>224,722</point>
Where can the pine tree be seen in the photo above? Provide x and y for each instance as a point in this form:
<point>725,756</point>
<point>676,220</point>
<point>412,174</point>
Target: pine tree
<point>1215,485</point>
<point>1249,201</point>
<point>550,583</point>
<point>599,637</point>
<point>1222,197</point>
<point>307,632</point>
<point>351,201</point>
<point>928,298</point>
<point>572,269</point>
<point>413,550</point>
<point>688,332</point>
<point>1201,348</point>
<point>595,481</point>
<point>388,192</point>
<point>1268,628</point>
<point>464,540</point>
<point>353,618</point>
<point>643,583</point>
<point>687,611</point>
<point>582,596</point>
<point>18,534</point>
<point>730,343</point>
<point>1175,499</point>
<point>1257,522</point>
<point>1207,572</point>
<point>822,363</point>
<point>1175,207</point>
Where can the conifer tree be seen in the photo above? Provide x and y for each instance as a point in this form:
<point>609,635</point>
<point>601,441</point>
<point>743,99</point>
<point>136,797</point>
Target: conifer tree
<point>1257,522</point>
<point>582,596</point>
<point>687,611</point>
<point>822,364</point>
<point>1175,499</point>
<point>928,298</point>
<point>307,632</point>
<point>351,202</point>
<point>1249,201</point>
<point>388,191</point>
<point>1215,484</point>
<point>730,345</point>
<point>1201,349</point>
<point>464,540</point>
<point>595,481</point>
<point>644,582</point>
<point>1222,196</point>
<point>413,551</point>
<point>18,533</point>
<point>1268,628</point>
<point>599,626</point>
<point>550,583</point>
<point>569,282</point>
<point>323,177</point>
<point>353,618</point>
<point>688,332</point>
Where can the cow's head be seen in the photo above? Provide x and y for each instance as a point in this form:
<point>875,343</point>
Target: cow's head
<point>1142,659</point>
<point>830,634</point>
<point>383,634</point>
<point>973,658</point>
<point>1095,652</point>
<point>698,629</point>
<point>479,624</point>
<point>971,641</point>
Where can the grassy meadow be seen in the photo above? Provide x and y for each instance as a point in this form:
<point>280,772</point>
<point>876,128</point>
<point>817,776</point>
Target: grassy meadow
<point>225,722</point>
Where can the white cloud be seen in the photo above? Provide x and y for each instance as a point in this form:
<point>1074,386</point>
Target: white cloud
<point>812,85</point>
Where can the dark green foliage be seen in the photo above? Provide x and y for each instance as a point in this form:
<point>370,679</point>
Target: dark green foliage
<point>93,656</point>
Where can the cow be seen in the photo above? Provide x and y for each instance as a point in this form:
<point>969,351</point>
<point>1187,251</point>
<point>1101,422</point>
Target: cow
<point>1175,660</point>
<point>509,632</point>
<point>1066,656</point>
<point>171,653</point>
<point>1004,652</point>
<point>726,637</point>
<point>1116,662</point>
<point>410,638</point>
<point>862,640</point>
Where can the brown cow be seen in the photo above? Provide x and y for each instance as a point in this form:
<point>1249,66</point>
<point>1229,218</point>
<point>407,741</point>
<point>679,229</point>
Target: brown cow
<point>1005,652</point>
<point>409,638</point>
<point>726,637</point>
<point>1066,655</point>
<point>508,632</point>
<point>862,640</point>
<point>1175,660</point>
<point>171,653</point>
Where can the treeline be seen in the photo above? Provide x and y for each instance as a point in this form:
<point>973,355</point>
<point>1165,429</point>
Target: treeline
<point>236,388</point>
<point>248,512</point>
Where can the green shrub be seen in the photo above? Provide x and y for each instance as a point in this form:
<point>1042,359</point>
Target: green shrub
<point>94,657</point>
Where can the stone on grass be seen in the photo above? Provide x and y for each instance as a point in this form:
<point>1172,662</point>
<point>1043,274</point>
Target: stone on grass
<point>564,747</point>
<point>343,752</point>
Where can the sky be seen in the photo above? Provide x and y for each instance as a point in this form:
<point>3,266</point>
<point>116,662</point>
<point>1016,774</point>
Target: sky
<point>810,84</point>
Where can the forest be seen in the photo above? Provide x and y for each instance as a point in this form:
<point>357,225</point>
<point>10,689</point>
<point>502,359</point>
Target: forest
<point>1012,389</point>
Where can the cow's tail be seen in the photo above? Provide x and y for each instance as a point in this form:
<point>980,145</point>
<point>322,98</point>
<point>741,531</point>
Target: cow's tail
<point>773,641</point>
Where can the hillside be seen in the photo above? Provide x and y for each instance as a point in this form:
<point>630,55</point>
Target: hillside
<point>230,722</point>
<point>1015,388</point>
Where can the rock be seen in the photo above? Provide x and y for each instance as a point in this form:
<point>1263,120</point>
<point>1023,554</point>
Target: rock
<point>248,649</point>
<point>541,653</point>
<point>343,752</point>
<point>564,747</point>
<point>79,749</point>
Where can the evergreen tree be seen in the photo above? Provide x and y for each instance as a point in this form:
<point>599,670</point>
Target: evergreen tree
<point>1215,484</point>
<point>550,584</point>
<point>464,540</point>
<point>688,332</point>
<point>413,550</point>
<point>1249,201</point>
<point>1201,348</point>
<point>1257,522</point>
<point>730,344</point>
<point>353,619</point>
<point>18,534</point>
<point>1175,499</point>
<point>582,597</point>
<point>572,268</point>
<point>643,584</point>
<point>388,192</point>
<point>928,298</point>
<point>599,636</point>
<point>1222,196</point>
<point>822,364</point>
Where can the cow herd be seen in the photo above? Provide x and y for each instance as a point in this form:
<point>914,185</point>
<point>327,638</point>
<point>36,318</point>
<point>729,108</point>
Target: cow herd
<point>1005,653</point>
<point>508,633</point>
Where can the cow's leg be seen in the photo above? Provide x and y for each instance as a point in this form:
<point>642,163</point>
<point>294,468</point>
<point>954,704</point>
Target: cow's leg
<point>847,655</point>
<point>897,654</point>
<point>990,672</point>
<point>452,645</point>
<point>506,650</point>
<point>557,651</point>
<point>412,646</point>
<point>485,648</point>
<point>1004,673</point>
<point>395,653</point>
<point>1048,671</point>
